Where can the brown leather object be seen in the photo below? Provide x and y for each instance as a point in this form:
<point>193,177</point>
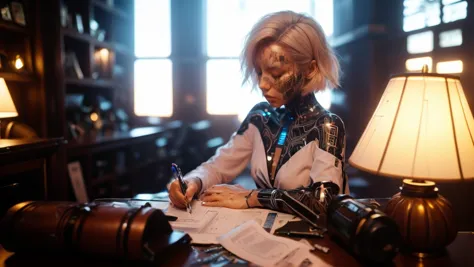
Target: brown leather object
<point>105,229</point>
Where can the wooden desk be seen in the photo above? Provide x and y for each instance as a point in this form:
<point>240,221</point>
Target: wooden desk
<point>459,253</point>
<point>28,170</point>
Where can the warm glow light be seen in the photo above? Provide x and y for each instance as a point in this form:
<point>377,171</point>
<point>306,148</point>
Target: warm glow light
<point>101,56</point>
<point>104,53</point>
<point>94,116</point>
<point>416,64</point>
<point>18,63</point>
<point>7,107</point>
<point>422,128</point>
<point>421,208</point>
<point>454,66</point>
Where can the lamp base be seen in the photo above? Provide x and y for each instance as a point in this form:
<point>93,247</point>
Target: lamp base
<point>424,217</point>
<point>424,255</point>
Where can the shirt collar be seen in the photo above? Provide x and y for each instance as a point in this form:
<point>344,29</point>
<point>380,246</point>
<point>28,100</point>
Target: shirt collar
<point>302,105</point>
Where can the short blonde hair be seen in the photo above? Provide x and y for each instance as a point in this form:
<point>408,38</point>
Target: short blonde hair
<point>305,41</point>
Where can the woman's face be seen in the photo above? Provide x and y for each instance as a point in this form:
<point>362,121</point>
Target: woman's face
<point>277,74</point>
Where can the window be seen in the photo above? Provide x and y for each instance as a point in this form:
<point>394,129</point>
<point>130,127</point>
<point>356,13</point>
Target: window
<point>416,64</point>
<point>418,14</point>
<point>153,89</point>
<point>450,38</point>
<point>227,23</point>
<point>420,42</point>
<point>454,66</point>
<point>455,12</point>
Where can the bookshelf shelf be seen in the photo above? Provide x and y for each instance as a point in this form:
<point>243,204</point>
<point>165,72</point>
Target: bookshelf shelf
<point>17,77</point>
<point>10,26</point>
<point>88,82</point>
<point>119,48</point>
<point>54,52</point>
<point>77,35</point>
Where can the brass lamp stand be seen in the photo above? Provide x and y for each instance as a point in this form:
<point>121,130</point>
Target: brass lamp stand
<point>424,217</point>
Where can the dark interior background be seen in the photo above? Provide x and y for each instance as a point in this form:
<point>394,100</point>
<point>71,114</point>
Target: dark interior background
<point>368,39</point>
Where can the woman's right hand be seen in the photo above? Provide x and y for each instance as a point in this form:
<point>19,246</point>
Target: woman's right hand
<point>177,198</point>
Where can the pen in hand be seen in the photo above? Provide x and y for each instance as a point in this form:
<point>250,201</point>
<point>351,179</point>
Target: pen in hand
<point>182,185</point>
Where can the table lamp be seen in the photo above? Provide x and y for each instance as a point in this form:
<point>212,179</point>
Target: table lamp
<point>422,131</point>
<point>7,107</point>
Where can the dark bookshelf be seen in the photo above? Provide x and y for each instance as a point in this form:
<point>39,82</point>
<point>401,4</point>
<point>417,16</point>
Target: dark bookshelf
<point>97,58</point>
<point>24,85</point>
<point>109,156</point>
<point>64,61</point>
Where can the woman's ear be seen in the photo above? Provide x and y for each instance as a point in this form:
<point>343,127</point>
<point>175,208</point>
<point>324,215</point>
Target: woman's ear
<point>312,70</point>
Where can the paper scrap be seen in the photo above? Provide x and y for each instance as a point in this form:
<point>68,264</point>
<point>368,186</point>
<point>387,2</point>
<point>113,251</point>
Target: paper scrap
<point>252,243</point>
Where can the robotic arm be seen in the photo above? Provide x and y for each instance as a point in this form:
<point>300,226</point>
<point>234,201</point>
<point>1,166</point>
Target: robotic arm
<point>310,203</point>
<point>364,230</point>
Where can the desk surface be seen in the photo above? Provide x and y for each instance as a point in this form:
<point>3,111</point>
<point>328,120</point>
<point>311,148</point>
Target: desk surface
<point>459,253</point>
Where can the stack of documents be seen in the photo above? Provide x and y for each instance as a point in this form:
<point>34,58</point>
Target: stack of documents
<point>241,232</point>
<point>205,224</point>
<point>250,242</point>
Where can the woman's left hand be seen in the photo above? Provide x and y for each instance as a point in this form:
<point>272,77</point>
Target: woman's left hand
<point>229,196</point>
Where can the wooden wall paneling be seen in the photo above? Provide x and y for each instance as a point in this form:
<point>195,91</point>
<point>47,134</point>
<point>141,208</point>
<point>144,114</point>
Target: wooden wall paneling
<point>50,33</point>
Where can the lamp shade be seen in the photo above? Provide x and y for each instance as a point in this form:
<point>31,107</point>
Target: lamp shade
<point>7,107</point>
<point>422,128</point>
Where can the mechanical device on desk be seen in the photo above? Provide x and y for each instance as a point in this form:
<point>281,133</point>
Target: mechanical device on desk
<point>369,234</point>
<point>99,229</point>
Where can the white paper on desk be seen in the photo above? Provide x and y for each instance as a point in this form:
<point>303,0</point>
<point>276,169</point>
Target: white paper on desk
<point>194,221</point>
<point>161,205</point>
<point>206,224</point>
<point>226,220</point>
<point>252,243</point>
<point>302,257</point>
<point>77,181</point>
